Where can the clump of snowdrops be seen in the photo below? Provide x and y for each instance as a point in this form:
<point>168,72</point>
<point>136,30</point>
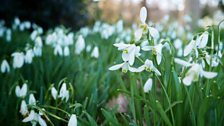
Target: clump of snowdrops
<point>169,75</point>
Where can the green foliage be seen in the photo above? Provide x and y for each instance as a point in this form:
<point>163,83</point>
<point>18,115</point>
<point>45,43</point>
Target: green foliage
<point>92,86</point>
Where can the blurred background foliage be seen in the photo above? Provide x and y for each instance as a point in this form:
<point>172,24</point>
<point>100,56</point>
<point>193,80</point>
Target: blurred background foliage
<point>95,87</point>
<point>46,13</point>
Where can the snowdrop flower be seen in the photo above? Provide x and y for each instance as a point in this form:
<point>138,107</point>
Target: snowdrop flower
<point>73,120</point>
<point>69,39</point>
<point>143,15</point>
<point>200,43</point>
<point>213,61</point>
<point>148,85</point>
<point>37,51</point>
<point>124,66</point>
<point>182,62</point>
<point>178,45</point>
<point>21,92</point>
<point>148,66</point>
<point>95,52</point>
<point>27,24</point>
<point>23,108</point>
<point>130,51</point>
<point>84,31</point>
<point>66,51</point>
<point>29,56</point>
<point>88,48</point>
<point>195,71</point>
<point>119,26</point>
<point>17,21</point>
<point>153,32</point>
<point>58,50</point>
<point>8,35</point>
<point>51,38</point>
<point>54,93</point>
<point>40,30</point>
<point>33,35</point>
<point>144,27</point>
<point>64,94</point>
<point>18,59</point>
<point>156,50</point>
<point>41,121</point>
<point>80,45</point>
<point>21,27</point>
<point>32,100</point>
<point>2,30</point>
<point>5,66</point>
<point>38,41</point>
<point>34,118</point>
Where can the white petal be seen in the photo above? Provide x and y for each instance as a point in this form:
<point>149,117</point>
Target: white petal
<point>29,56</point>
<point>116,67</point>
<point>121,46</point>
<point>41,121</point>
<point>54,93</point>
<point>125,67</point>
<point>196,53</point>
<point>188,80</point>
<point>132,56</point>
<point>18,59</point>
<point>138,34</point>
<point>156,71</point>
<point>137,51</point>
<point>158,58</point>
<point>167,46</point>
<point>132,69</point>
<point>148,85</point>
<point>58,50</point>
<point>143,14</point>
<point>5,66</point>
<point>64,94</point>
<point>31,117</point>
<point>66,51</point>
<point>203,40</point>
<point>32,100</point>
<point>209,75</point>
<point>182,62</point>
<point>147,48</point>
<point>95,52</point>
<point>17,91</point>
<point>125,56</point>
<point>189,48</point>
<point>73,120</point>
<point>153,32</point>
<point>148,63</point>
<point>23,90</point>
<point>80,45</point>
<point>23,108</point>
<point>159,53</point>
<point>140,69</point>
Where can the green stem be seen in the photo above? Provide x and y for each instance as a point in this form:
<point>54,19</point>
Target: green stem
<point>191,106</point>
<point>167,97</point>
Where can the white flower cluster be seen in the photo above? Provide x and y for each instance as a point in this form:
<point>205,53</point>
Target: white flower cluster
<point>5,32</point>
<point>148,38</point>
<point>132,51</point>
<point>198,50</point>
<point>29,115</point>
<point>27,108</point>
<point>63,94</point>
<point>26,25</point>
<point>60,41</point>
